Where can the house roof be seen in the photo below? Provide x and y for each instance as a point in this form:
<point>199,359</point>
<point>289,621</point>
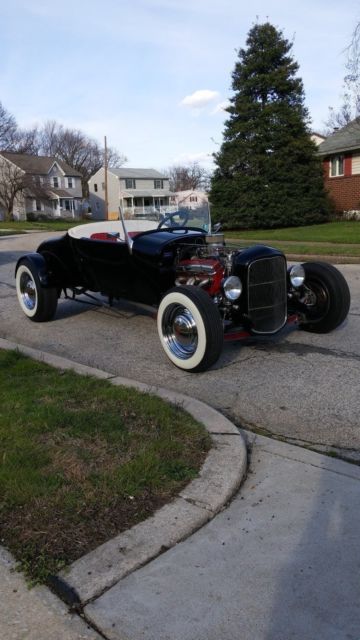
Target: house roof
<point>190,192</point>
<point>137,173</point>
<point>61,193</point>
<point>346,139</point>
<point>146,193</point>
<point>38,165</point>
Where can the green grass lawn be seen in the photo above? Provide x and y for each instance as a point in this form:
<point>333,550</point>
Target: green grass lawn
<point>301,249</point>
<point>338,239</point>
<point>333,232</point>
<point>47,225</point>
<point>82,460</point>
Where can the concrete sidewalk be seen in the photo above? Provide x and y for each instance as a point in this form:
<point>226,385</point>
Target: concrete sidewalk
<point>35,614</point>
<point>280,562</point>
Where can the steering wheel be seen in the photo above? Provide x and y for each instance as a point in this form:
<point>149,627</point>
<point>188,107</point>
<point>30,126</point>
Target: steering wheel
<point>183,215</point>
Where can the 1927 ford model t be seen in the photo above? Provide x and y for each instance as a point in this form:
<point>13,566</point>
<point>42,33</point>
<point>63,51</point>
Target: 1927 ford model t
<point>204,291</point>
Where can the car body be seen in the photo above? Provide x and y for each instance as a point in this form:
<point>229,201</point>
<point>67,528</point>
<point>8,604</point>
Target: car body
<point>204,290</point>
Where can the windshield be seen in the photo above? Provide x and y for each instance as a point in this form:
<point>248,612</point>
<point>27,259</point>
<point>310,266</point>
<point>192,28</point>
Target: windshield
<point>166,217</point>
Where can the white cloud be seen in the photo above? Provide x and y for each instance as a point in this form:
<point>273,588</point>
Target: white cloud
<point>220,107</point>
<point>199,98</point>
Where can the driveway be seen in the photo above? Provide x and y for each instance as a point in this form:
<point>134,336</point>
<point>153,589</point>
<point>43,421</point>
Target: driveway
<point>301,387</point>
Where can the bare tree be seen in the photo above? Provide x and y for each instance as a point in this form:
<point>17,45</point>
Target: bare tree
<point>72,146</point>
<point>188,177</point>
<point>15,184</point>
<point>14,139</point>
<point>8,129</point>
<point>76,149</point>
<point>350,107</point>
<point>26,141</point>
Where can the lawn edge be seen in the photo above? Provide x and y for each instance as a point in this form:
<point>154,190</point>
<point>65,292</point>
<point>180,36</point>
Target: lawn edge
<point>219,479</point>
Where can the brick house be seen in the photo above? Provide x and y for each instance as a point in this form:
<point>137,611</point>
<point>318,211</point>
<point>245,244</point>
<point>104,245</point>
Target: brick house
<point>340,153</point>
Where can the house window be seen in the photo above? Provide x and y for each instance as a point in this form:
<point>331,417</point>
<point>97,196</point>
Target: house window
<point>130,183</point>
<point>158,184</point>
<point>337,166</point>
<point>55,182</point>
<point>38,205</point>
<point>70,183</point>
<point>193,198</point>
<point>95,188</point>
<point>65,204</point>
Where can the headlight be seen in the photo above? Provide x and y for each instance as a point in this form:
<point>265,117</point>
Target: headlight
<point>297,275</point>
<point>232,288</point>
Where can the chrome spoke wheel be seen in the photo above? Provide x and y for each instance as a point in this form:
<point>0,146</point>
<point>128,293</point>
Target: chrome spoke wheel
<point>180,331</point>
<point>28,291</point>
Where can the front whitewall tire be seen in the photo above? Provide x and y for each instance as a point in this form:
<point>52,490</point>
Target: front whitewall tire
<point>190,328</point>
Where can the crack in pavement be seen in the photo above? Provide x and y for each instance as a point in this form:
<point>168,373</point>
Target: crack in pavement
<point>6,284</point>
<point>300,349</point>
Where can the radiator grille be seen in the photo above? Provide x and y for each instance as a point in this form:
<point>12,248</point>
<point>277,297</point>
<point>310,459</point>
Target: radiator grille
<point>267,294</point>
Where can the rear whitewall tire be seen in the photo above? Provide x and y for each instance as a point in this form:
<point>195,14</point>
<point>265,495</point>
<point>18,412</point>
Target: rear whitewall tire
<point>37,303</point>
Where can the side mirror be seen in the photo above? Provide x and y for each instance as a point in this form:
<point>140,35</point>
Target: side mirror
<point>216,228</point>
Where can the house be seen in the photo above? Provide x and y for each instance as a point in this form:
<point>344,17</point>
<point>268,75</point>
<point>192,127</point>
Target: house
<point>318,138</point>
<point>340,153</point>
<point>46,185</point>
<point>137,191</point>
<point>191,199</point>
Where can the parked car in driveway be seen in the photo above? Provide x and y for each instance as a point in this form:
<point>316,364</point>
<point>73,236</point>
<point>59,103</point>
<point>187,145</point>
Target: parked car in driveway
<point>204,290</point>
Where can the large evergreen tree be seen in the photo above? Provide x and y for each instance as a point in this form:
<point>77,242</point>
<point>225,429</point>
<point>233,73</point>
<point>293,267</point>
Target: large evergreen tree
<point>267,171</point>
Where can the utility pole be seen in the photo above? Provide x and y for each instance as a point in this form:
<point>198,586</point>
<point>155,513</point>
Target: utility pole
<point>106,180</point>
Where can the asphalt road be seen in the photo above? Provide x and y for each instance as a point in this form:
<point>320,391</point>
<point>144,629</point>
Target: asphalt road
<point>299,386</point>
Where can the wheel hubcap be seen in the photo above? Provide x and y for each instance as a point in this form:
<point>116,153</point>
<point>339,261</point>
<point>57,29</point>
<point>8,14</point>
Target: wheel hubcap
<point>179,331</point>
<point>28,291</point>
<point>316,299</point>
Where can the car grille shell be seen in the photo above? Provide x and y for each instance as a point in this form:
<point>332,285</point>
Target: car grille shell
<point>267,294</point>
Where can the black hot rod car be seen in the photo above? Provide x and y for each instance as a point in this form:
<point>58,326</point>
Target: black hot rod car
<point>204,291</point>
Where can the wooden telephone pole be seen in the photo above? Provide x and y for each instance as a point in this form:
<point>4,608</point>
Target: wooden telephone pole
<point>106,180</point>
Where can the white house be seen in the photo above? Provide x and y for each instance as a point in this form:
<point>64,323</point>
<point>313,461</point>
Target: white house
<point>50,186</point>
<point>137,191</point>
<point>191,199</point>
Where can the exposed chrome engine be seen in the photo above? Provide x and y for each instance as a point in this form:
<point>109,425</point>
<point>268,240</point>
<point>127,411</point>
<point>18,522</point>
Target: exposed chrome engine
<point>204,266</point>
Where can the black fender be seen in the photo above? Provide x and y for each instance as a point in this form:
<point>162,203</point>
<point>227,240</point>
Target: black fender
<point>39,262</point>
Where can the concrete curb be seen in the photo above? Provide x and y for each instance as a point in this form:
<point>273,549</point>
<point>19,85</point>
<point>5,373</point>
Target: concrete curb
<point>35,614</point>
<point>219,479</point>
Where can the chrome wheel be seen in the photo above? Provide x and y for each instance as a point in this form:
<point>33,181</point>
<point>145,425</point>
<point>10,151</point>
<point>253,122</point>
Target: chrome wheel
<point>38,303</point>
<point>179,331</point>
<point>28,291</point>
<point>190,328</point>
<point>326,298</point>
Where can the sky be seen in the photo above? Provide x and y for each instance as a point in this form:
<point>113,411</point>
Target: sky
<point>154,75</point>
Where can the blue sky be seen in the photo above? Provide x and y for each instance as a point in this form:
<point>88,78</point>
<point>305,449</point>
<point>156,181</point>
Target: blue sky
<point>152,75</point>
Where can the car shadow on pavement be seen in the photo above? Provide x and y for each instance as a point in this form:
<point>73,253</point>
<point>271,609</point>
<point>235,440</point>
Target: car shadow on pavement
<point>317,591</point>
<point>7,257</point>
